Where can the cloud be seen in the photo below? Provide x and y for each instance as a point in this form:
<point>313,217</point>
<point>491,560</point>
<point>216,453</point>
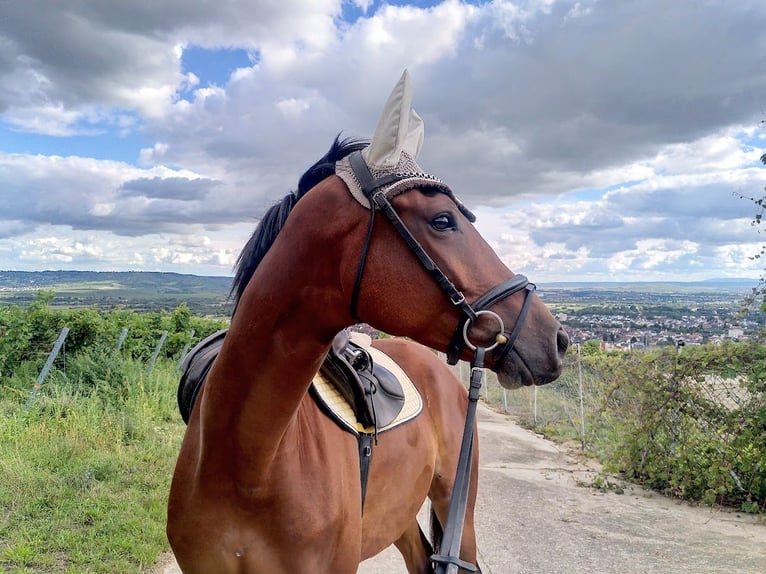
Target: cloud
<point>104,55</point>
<point>89,194</point>
<point>176,188</point>
<point>602,136</point>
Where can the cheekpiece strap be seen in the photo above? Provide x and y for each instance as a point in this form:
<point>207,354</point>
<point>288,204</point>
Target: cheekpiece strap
<point>371,188</point>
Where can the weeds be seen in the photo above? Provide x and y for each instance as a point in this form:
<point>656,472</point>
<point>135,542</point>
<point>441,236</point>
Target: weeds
<point>85,472</point>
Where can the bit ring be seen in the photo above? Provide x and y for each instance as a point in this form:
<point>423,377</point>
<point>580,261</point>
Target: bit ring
<point>498,338</point>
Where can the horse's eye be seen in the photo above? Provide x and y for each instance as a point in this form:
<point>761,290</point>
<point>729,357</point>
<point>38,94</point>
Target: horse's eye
<point>443,222</point>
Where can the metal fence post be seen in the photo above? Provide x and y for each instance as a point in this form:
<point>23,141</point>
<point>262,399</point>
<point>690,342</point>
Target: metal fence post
<point>156,352</point>
<point>121,338</point>
<point>582,406</point>
<point>47,367</point>
<point>185,349</point>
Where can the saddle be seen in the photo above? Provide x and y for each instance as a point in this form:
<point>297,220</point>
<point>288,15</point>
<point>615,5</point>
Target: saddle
<point>372,391</point>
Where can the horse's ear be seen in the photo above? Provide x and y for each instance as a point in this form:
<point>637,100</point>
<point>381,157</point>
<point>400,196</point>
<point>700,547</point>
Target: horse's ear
<point>399,129</point>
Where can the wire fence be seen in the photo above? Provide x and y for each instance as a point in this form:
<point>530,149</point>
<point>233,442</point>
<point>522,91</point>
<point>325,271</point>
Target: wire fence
<point>692,424</point>
<point>563,401</point>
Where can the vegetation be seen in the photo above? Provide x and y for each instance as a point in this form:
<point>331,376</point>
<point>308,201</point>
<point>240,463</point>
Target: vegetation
<point>758,293</point>
<point>690,424</point>
<point>86,468</point>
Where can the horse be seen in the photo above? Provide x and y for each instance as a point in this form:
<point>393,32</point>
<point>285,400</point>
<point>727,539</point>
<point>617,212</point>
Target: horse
<point>265,482</point>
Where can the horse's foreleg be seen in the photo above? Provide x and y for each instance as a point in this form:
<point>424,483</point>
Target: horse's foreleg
<point>415,549</point>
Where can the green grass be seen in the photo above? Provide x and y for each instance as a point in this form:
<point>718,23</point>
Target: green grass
<point>84,473</point>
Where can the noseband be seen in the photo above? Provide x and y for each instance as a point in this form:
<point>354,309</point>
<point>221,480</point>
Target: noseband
<point>504,340</point>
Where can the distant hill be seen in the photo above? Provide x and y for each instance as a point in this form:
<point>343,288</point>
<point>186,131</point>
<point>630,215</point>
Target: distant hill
<point>724,283</point>
<point>138,290</point>
<point>723,292</point>
<point>207,295</point>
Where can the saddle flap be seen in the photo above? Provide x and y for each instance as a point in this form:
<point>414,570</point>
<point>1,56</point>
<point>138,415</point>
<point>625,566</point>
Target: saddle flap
<point>194,368</point>
<point>338,371</point>
<point>373,392</point>
<point>387,396</point>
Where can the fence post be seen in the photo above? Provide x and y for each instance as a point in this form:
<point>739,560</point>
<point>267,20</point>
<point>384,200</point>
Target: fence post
<point>676,407</point>
<point>534,403</point>
<point>582,406</point>
<point>156,352</point>
<point>185,349</point>
<point>47,367</point>
<point>121,338</point>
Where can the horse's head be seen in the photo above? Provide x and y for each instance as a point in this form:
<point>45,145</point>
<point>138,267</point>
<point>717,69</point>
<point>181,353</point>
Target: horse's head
<point>426,272</point>
<point>482,304</point>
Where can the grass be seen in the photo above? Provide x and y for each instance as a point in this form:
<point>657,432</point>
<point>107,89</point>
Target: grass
<point>86,470</point>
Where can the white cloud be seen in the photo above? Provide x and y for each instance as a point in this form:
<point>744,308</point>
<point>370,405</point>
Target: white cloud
<point>60,247</point>
<point>293,107</point>
<point>600,135</point>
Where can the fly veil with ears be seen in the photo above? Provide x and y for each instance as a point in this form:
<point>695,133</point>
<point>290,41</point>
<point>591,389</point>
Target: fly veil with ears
<point>387,168</point>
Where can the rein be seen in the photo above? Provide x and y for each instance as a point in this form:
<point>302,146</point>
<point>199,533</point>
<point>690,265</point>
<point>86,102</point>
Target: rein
<point>449,561</point>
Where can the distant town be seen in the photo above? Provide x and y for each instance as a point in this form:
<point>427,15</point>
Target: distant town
<point>640,315</point>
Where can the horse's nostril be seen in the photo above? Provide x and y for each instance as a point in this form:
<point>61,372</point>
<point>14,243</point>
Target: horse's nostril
<point>562,340</point>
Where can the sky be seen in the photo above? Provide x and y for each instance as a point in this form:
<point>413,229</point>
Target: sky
<point>596,140</point>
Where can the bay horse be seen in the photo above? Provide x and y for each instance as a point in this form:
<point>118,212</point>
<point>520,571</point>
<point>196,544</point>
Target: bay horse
<point>265,483</point>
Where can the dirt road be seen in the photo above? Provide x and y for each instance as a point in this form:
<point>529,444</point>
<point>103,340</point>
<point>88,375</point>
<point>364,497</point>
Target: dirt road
<point>534,516</point>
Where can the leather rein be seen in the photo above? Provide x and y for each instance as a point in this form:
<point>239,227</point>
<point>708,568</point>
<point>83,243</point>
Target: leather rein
<point>448,561</point>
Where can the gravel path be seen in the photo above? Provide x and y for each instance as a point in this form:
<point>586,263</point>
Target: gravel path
<point>537,514</point>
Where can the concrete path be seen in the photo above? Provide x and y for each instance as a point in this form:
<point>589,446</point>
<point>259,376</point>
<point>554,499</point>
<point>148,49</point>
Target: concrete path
<point>538,514</point>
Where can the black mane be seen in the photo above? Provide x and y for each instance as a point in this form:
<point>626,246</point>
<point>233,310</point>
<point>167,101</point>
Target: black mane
<point>272,222</point>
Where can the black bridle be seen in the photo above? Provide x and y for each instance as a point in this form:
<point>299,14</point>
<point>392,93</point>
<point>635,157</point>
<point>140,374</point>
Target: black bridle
<point>505,340</point>
<point>448,560</point>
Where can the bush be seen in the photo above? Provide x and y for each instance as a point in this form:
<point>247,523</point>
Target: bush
<point>86,469</point>
<point>692,425</point>
<point>689,424</point>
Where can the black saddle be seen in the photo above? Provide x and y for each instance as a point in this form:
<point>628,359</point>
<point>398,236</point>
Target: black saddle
<point>372,391</point>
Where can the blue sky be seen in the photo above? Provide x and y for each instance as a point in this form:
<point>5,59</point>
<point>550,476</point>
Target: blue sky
<point>595,139</point>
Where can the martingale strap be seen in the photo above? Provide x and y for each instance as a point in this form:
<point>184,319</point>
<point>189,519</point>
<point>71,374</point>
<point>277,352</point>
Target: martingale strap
<point>448,560</point>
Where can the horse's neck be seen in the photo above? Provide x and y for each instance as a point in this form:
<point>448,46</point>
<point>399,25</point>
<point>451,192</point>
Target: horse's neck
<point>273,349</point>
